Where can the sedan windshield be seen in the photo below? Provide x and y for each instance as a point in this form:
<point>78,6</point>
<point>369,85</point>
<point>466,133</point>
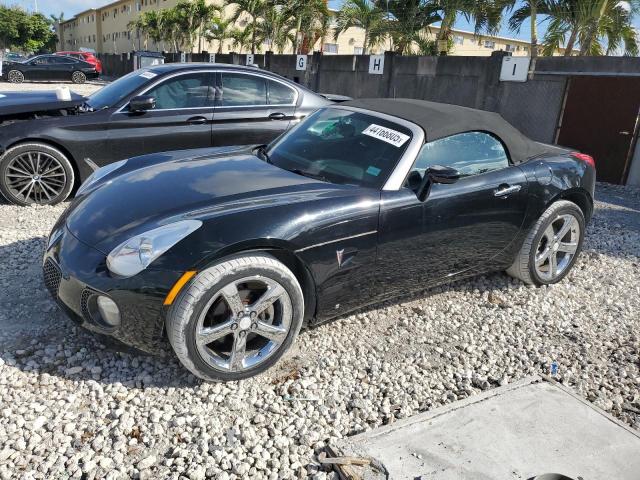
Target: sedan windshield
<point>342,146</point>
<point>111,94</point>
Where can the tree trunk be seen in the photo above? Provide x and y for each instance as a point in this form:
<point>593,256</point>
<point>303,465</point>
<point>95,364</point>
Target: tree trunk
<point>220,46</point>
<point>253,36</point>
<point>445,26</point>
<point>592,32</point>
<point>571,42</point>
<point>365,42</point>
<point>534,28</point>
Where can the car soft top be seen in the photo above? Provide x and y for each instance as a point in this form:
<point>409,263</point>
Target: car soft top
<point>440,120</point>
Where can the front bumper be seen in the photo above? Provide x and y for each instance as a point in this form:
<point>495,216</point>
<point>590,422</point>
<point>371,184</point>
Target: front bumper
<point>75,274</point>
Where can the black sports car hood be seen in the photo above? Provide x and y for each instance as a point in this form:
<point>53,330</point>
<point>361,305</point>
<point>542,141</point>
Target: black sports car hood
<point>12,103</point>
<point>193,187</point>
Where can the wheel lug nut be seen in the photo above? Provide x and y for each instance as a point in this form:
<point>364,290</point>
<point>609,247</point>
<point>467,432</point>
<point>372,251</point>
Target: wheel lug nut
<point>254,326</point>
<point>242,333</point>
<point>253,315</point>
<point>234,326</point>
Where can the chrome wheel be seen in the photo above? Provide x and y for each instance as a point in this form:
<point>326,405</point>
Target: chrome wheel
<point>557,247</point>
<point>15,76</point>
<point>35,177</point>
<point>78,77</point>
<point>244,324</point>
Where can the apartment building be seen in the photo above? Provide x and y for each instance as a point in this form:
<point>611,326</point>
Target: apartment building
<point>106,30</point>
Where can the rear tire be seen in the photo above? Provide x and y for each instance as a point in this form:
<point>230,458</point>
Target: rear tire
<point>218,327</point>
<point>552,245</point>
<point>78,77</point>
<point>15,76</point>
<point>35,173</point>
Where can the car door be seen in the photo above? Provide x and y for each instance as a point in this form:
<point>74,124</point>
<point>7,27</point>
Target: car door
<point>251,108</point>
<point>36,68</point>
<point>181,118</point>
<point>60,68</point>
<point>459,227</point>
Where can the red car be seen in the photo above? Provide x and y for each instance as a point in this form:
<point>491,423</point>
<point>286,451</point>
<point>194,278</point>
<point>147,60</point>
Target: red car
<point>85,56</point>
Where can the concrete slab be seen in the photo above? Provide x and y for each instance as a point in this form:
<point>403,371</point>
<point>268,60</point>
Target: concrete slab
<point>529,428</point>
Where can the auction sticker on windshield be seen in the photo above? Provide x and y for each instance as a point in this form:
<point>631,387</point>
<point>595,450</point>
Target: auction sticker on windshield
<point>148,74</point>
<point>386,134</point>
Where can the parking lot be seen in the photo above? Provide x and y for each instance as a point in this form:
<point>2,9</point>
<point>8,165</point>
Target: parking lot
<point>73,405</point>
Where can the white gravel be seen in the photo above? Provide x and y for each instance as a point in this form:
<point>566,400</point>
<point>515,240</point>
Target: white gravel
<point>82,89</point>
<point>71,406</point>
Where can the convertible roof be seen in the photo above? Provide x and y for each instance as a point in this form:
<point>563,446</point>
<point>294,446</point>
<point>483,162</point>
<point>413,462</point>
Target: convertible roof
<point>439,120</point>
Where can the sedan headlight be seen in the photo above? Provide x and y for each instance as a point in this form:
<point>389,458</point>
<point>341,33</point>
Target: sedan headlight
<point>98,174</point>
<point>134,255</point>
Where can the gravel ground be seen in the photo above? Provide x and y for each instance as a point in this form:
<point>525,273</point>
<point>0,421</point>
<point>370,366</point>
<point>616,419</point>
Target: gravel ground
<point>82,89</point>
<point>72,406</point>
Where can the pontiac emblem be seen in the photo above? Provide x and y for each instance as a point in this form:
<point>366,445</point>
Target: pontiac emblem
<point>340,256</point>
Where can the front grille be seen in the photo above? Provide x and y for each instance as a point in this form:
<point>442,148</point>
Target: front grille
<point>84,303</point>
<point>52,276</point>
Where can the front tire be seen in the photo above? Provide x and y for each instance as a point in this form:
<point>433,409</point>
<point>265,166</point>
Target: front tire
<point>35,173</point>
<point>552,246</point>
<point>236,318</point>
<point>15,76</point>
<point>78,77</point>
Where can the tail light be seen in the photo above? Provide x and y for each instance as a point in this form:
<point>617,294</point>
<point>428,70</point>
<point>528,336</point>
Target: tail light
<point>588,159</point>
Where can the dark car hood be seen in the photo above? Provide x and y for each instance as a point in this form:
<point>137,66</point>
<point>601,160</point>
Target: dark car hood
<point>201,186</point>
<point>12,103</point>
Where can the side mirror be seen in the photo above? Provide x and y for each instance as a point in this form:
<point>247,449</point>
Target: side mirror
<point>142,103</point>
<point>436,174</point>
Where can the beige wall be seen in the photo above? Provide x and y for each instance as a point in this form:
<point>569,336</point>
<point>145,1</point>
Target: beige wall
<point>109,27</point>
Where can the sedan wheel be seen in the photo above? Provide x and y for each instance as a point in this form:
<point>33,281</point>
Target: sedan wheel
<point>15,76</point>
<point>552,245</point>
<point>35,173</point>
<point>237,318</point>
<point>78,77</point>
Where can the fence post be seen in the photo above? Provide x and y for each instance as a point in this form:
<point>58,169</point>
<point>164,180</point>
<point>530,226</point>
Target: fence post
<point>488,87</point>
<point>316,64</point>
<point>387,83</point>
<point>267,60</point>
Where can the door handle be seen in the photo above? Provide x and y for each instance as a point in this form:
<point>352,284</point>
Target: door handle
<point>277,116</point>
<point>506,190</point>
<point>624,132</point>
<point>197,121</point>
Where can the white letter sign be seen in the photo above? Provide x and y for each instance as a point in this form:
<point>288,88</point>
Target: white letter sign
<point>183,57</point>
<point>301,62</point>
<point>376,64</point>
<point>212,58</point>
<point>514,69</point>
<point>249,59</point>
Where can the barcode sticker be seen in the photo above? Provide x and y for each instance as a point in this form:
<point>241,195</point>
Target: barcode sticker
<point>386,134</point>
<point>148,74</point>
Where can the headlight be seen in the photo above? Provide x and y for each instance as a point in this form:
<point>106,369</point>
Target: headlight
<point>98,174</point>
<point>134,255</point>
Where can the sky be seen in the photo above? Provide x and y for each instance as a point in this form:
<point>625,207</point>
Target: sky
<point>71,7</point>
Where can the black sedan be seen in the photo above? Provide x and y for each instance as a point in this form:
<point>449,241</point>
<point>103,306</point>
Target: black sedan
<point>48,67</point>
<point>166,107</point>
<point>228,252</point>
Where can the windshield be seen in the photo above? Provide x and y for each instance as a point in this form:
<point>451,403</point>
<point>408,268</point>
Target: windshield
<point>112,93</point>
<point>342,146</point>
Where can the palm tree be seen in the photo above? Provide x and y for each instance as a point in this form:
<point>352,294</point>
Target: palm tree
<point>564,25</point>
<point>529,10</point>
<point>219,30</point>
<point>255,10</point>
<point>486,15</point>
<point>241,38</point>
<point>312,20</point>
<point>608,19</point>
<point>277,25</point>
<point>408,19</point>
<point>362,14</point>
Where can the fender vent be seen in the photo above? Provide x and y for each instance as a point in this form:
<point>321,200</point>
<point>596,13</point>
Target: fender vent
<point>52,276</point>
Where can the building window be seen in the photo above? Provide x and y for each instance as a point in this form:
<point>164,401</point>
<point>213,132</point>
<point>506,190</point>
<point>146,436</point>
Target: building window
<point>526,49</point>
<point>358,50</point>
<point>489,44</point>
<point>138,6</point>
<point>330,48</point>
<point>458,40</point>
<point>510,48</point>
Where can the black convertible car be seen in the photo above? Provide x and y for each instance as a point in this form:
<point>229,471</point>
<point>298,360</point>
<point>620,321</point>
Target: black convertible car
<point>48,67</point>
<point>229,251</point>
<point>48,150</point>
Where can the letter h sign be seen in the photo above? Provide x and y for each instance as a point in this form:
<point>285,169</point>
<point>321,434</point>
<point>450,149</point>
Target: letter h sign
<point>376,64</point>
